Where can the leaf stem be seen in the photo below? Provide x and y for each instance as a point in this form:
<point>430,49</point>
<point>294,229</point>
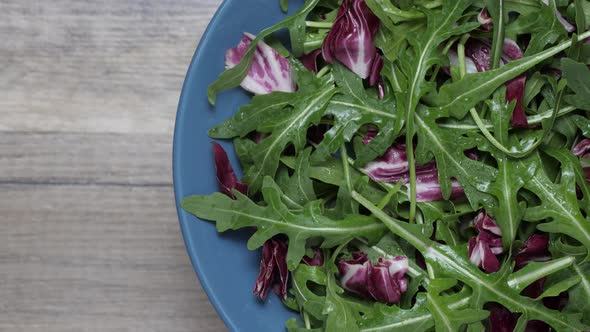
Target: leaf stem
<point>546,128</point>
<point>323,72</point>
<point>498,35</point>
<point>393,224</point>
<point>533,119</point>
<point>412,166</point>
<point>346,167</point>
<point>315,24</point>
<point>461,55</point>
<point>519,280</point>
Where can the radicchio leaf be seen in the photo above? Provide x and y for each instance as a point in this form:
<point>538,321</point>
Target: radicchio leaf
<point>226,177</point>
<point>582,150</point>
<point>310,61</point>
<point>479,53</point>
<point>393,167</point>
<point>484,247</point>
<point>534,249</point>
<point>316,260</point>
<point>485,20</point>
<point>566,25</point>
<point>383,282</point>
<point>350,39</point>
<point>269,71</point>
<point>273,271</point>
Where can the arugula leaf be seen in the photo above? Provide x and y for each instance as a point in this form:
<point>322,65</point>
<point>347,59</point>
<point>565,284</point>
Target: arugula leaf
<point>299,187</point>
<point>439,27</point>
<point>545,27</point>
<point>510,179</point>
<point>558,200</point>
<point>445,318</point>
<point>312,303</point>
<point>341,316</point>
<point>351,109</point>
<point>295,23</point>
<point>277,219</point>
<point>579,294</point>
<point>458,98</point>
<point>448,148</point>
<point>285,116</point>
<point>487,287</point>
<point>578,79</point>
<point>394,319</point>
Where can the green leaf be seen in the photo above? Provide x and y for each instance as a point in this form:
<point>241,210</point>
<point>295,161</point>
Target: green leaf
<point>286,117</point>
<point>284,5</point>
<point>295,23</point>
<point>394,319</point>
<point>299,187</point>
<point>583,123</point>
<point>578,79</point>
<point>458,98</point>
<point>350,110</point>
<point>562,286</point>
<point>445,318</point>
<point>545,28</point>
<point>448,148</point>
<point>510,179</point>
<point>277,219</point>
<point>293,326</point>
<point>340,315</point>
<point>579,294</point>
<point>558,200</point>
<point>536,270</point>
<point>312,303</point>
<point>486,287</point>
<point>249,117</point>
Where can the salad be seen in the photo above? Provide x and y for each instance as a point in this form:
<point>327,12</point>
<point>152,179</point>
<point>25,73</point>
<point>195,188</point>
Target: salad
<point>414,165</point>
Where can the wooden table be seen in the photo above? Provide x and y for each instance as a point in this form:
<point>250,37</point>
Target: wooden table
<point>89,239</point>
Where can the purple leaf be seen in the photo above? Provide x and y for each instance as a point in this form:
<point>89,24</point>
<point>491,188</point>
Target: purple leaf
<point>566,25</point>
<point>310,61</point>
<point>350,39</point>
<point>485,20</point>
<point>501,319</point>
<point>376,66</point>
<point>316,260</point>
<point>273,271</point>
<point>383,282</point>
<point>515,87</point>
<point>428,188</point>
<point>226,177</point>
<point>534,249</point>
<point>484,247</point>
<point>478,52</point>
<point>582,149</point>
<point>269,71</point>
<point>393,166</point>
<point>483,222</point>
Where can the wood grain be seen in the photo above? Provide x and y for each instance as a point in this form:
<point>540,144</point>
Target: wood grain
<point>89,239</point>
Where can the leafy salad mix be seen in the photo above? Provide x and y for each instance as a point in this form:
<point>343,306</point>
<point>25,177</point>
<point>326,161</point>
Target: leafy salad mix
<point>414,165</point>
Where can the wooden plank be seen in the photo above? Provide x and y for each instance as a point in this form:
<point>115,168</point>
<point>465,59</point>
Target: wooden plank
<point>96,66</point>
<point>96,258</point>
<point>89,238</point>
<point>75,158</point>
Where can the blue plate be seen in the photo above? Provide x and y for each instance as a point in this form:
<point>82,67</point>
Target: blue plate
<point>226,268</point>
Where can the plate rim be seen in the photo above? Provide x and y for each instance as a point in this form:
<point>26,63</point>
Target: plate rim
<point>177,183</point>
